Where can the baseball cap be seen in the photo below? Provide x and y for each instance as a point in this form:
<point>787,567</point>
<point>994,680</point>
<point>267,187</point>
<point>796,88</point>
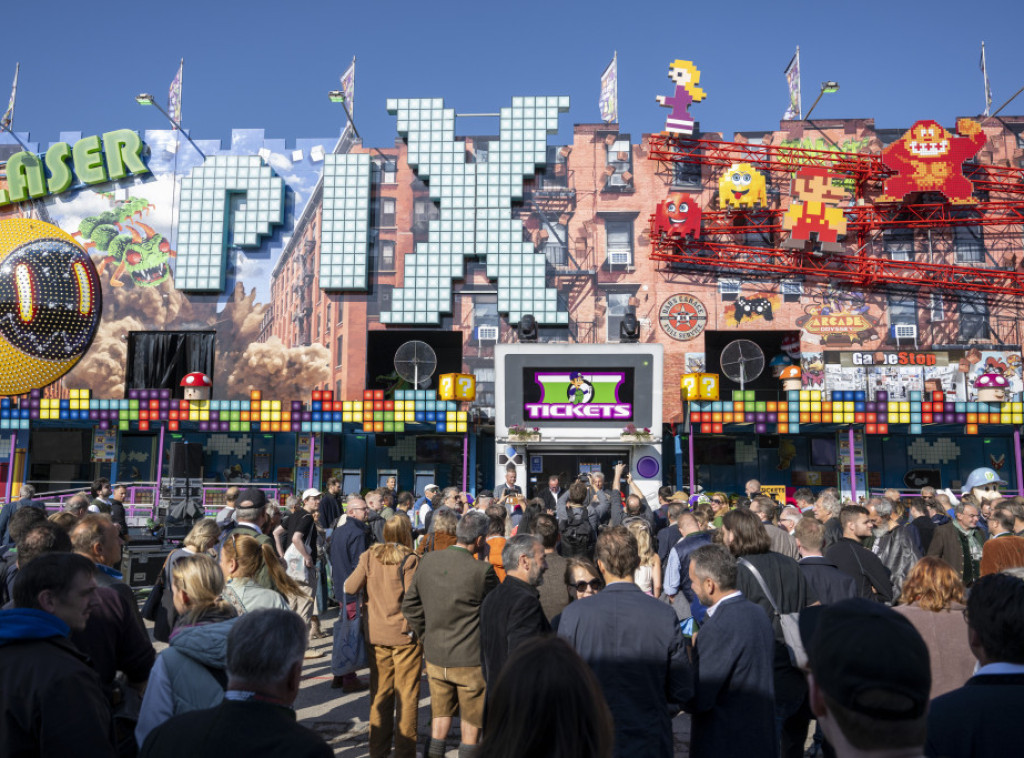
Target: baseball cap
<point>253,495</point>
<point>311,492</point>
<point>431,487</point>
<point>842,643</point>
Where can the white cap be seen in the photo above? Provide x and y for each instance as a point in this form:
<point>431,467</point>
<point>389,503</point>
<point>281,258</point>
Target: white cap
<point>311,492</point>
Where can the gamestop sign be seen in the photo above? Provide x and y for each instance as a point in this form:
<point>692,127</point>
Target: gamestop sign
<point>578,391</point>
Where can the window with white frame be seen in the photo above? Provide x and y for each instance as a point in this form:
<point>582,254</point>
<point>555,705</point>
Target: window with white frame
<point>619,242</point>
<point>387,212</point>
<point>936,308</point>
<point>729,289</point>
<point>620,159</point>
<point>969,245</point>
<point>902,310</point>
<point>899,244</point>
<point>556,245</point>
<point>386,255</point>
<point>792,290</point>
<point>385,171</point>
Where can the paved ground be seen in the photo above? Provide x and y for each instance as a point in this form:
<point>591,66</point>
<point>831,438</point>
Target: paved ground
<point>342,719</point>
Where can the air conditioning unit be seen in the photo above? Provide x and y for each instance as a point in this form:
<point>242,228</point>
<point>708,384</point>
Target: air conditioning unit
<point>487,333</point>
<point>620,259</point>
<point>904,331</point>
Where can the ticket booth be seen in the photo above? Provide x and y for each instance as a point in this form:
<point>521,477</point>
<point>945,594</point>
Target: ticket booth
<point>570,409</point>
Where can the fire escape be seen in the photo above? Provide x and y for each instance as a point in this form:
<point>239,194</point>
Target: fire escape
<point>571,261</point>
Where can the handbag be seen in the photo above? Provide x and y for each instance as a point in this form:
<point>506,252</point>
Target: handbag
<point>790,622</point>
<point>348,653</point>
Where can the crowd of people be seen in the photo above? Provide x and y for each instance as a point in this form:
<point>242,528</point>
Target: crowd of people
<point>579,622</point>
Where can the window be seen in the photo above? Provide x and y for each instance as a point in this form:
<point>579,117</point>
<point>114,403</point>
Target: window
<point>969,245</point>
<point>902,310</point>
<point>899,244</point>
<point>423,211</point>
<point>480,150</point>
<point>385,298</point>
<point>973,319</point>
<point>556,246</point>
<point>792,291</point>
<point>729,289</point>
<point>341,309</point>
<point>619,242</point>
<point>620,160</point>
<point>386,255</point>
<point>387,212</point>
<point>339,353</point>
<point>687,174</point>
<point>385,172</point>
<point>337,389</point>
<point>936,308</point>
<point>618,303</point>
<point>555,173</point>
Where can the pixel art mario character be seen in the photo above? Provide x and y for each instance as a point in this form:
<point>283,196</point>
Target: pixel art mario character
<point>812,212</point>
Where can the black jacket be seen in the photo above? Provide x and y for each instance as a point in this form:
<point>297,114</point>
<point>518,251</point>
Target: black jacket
<point>827,582</point>
<point>235,728</point>
<point>977,719</point>
<point>873,579</point>
<point>51,700</point>
<point>510,615</point>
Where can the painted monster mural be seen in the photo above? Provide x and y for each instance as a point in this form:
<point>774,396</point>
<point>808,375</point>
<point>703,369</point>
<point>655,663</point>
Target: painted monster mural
<point>128,227</point>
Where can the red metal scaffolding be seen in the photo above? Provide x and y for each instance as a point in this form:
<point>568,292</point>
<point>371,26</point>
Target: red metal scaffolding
<point>715,251</point>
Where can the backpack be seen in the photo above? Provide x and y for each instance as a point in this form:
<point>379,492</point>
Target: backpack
<point>577,535</point>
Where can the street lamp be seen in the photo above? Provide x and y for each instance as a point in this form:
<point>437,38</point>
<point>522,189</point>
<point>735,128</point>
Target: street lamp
<point>145,98</point>
<point>827,88</point>
<point>336,96</point>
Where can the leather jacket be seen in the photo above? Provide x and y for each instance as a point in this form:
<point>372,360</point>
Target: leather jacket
<point>897,551</point>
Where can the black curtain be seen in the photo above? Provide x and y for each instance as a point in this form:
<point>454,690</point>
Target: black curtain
<point>161,359</point>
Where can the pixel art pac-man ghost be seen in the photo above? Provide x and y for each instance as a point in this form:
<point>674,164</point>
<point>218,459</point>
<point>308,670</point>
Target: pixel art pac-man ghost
<point>742,186</point>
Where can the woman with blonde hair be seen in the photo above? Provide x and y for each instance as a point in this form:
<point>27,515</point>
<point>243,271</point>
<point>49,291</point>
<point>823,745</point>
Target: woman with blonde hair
<point>648,574</point>
<point>933,601</point>
<point>241,558</point>
<point>383,574</point>
<point>189,674</point>
<point>200,540</point>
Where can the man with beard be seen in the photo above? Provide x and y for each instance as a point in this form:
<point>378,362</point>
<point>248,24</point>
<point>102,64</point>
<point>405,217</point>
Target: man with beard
<point>893,543</point>
<point>512,613</point>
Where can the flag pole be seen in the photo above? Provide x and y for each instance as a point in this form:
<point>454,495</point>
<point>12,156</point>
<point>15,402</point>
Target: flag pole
<point>615,63</point>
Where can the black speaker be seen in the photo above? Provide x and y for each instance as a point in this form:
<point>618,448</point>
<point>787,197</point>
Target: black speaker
<point>186,461</point>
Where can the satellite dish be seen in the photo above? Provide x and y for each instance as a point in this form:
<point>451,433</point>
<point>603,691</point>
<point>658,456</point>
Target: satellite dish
<point>742,361</point>
<point>415,362</point>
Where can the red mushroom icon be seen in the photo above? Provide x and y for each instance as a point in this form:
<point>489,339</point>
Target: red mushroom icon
<point>992,388</point>
<point>197,386</point>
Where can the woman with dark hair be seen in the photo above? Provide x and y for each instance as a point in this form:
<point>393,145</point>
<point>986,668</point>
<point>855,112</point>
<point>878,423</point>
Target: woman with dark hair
<point>528,522</point>
<point>582,580</point>
<point>761,573</point>
<point>547,703</point>
<point>933,601</point>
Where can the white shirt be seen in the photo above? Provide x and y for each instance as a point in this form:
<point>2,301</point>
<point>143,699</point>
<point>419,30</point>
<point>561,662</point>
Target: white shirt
<point>730,596</point>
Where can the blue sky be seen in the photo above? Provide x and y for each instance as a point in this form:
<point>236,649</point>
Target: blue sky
<point>269,64</point>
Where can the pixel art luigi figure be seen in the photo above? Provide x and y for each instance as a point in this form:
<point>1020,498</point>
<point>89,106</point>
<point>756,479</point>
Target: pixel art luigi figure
<point>580,390</point>
<point>686,76</point>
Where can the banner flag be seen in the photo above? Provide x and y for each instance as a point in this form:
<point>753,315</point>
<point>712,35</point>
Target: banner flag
<point>795,109</point>
<point>609,100</point>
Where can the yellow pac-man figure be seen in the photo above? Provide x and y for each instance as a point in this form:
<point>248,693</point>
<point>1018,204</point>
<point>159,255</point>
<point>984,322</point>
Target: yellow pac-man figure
<point>742,186</point>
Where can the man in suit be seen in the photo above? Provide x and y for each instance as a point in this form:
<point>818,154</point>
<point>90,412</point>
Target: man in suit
<point>1003,549</point>
<point>264,667</point>
<point>868,705</point>
<point>735,651</point>
<point>978,718</point>
<point>826,581</point>
<point>634,646</point>
<point>442,606</point>
<point>512,614</point>
<point>551,493</point>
